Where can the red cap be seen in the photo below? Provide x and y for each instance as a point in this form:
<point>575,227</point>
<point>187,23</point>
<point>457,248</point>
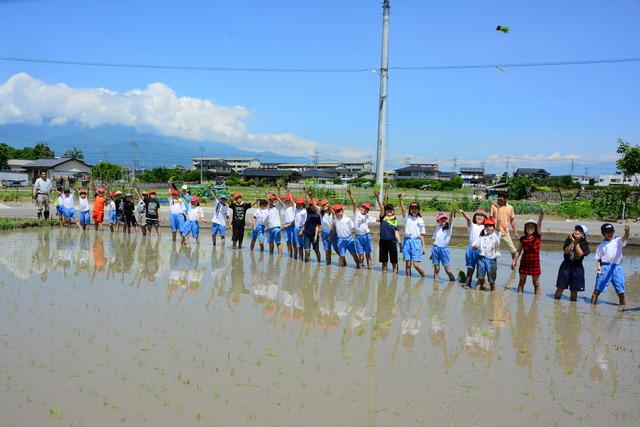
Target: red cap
<point>288,196</point>
<point>144,192</point>
<point>337,207</point>
<point>300,200</point>
<point>195,199</point>
<point>366,205</point>
<point>271,196</point>
<point>152,192</point>
<point>237,195</point>
<point>174,192</point>
<point>112,193</point>
<point>324,202</point>
<point>314,200</point>
<point>100,190</point>
<point>489,221</point>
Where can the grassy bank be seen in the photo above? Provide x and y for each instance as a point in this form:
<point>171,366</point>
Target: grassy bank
<point>14,223</point>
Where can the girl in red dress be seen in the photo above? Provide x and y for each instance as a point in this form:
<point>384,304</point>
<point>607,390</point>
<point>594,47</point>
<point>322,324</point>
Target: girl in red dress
<point>530,250</point>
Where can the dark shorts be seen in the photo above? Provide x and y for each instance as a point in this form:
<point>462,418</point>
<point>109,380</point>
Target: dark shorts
<point>309,243</point>
<point>237,232</point>
<point>388,251</point>
<point>154,222</point>
<point>570,277</point>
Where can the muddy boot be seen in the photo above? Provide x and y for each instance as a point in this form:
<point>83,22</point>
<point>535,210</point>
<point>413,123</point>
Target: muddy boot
<point>39,216</point>
<point>46,214</point>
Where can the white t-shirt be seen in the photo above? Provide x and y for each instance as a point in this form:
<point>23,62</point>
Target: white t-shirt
<point>195,213</point>
<point>176,206</point>
<point>361,222</point>
<point>442,237</point>
<point>68,201</point>
<point>326,222</point>
<point>42,186</point>
<point>220,213</point>
<point>344,226</point>
<point>261,216</point>
<point>289,214</point>
<point>112,205</point>
<point>611,250</point>
<point>273,216</point>
<point>300,217</point>
<point>413,226</point>
<point>489,245</point>
<point>474,232</point>
<point>83,204</point>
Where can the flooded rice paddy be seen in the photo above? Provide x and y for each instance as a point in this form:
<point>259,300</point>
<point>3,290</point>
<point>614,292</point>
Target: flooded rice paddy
<point>97,329</point>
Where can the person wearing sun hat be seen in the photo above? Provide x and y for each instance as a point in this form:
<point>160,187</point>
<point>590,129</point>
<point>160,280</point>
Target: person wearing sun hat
<point>192,225</point>
<point>258,224</point>
<point>177,213</point>
<point>389,236</point>
<point>153,213</point>
<point>361,221</point>
<point>343,229</point>
<point>84,209</point>
<point>288,227</point>
<point>488,243</point>
<point>221,218</point>
<point>475,225</point>
<point>530,249</point>
<point>239,210</point>
<point>413,243</point>
<point>329,241</point>
<point>571,271</point>
<point>609,263</point>
<point>273,223</point>
<point>440,252</point>
<point>299,219</point>
<point>99,202</point>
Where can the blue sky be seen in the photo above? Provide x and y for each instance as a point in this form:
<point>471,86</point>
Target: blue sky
<point>473,115</point>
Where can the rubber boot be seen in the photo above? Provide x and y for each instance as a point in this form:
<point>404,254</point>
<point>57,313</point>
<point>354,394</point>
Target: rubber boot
<point>46,214</point>
<point>39,216</point>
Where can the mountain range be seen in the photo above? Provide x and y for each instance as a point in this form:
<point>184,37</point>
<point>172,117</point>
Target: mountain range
<point>119,144</point>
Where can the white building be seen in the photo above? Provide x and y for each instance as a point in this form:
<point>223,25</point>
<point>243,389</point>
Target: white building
<point>580,179</point>
<point>617,179</point>
<point>238,164</point>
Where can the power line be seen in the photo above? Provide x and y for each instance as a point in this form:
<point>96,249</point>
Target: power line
<point>179,67</point>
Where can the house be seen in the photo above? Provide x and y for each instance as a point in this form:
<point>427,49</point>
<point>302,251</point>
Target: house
<point>580,179</point>
<point>218,167</point>
<point>57,168</point>
<point>418,171</point>
<point>446,176</point>
<point>617,179</point>
<point>532,173</point>
<point>472,177</point>
<point>257,174</point>
<point>13,179</point>
<point>237,164</point>
<point>320,176</point>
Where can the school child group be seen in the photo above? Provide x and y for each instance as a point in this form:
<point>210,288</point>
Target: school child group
<point>307,221</point>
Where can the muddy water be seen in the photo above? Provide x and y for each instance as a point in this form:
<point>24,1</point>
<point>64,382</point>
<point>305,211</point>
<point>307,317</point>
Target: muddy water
<point>106,330</point>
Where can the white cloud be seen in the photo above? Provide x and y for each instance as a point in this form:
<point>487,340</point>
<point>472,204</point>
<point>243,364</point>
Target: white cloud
<point>154,109</point>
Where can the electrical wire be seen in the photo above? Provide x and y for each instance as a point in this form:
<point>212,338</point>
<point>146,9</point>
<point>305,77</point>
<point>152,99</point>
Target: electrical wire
<point>317,70</point>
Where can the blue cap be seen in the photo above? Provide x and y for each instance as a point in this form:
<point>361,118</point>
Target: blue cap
<point>582,228</point>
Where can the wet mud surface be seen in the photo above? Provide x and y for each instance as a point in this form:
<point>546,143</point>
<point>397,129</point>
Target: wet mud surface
<point>97,329</point>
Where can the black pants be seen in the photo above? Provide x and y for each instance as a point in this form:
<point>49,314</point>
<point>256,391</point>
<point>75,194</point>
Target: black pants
<point>237,233</point>
<point>388,251</point>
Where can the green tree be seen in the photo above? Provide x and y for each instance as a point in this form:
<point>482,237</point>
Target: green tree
<point>629,164</point>
<point>39,151</point>
<point>520,187</point>
<point>106,172</point>
<point>7,153</point>
<point>74,153</point>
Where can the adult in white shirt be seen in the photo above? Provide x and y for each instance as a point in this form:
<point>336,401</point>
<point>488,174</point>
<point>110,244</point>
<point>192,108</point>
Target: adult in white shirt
<point>41,190</point>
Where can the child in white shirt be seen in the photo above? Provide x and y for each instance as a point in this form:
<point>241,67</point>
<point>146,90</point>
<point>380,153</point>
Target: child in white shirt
<point>361,220</point>
<point>258,224</point>
<point>191,225</point>
<point>273,223</point>
<point>440,251</point>
<point>475,226</point>
<point>343,229</point>
<point>609,267</point>
<point>413,243</point>
<point>488,244</point>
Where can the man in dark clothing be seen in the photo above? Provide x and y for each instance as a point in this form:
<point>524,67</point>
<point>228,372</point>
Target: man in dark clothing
<point>239,209</point>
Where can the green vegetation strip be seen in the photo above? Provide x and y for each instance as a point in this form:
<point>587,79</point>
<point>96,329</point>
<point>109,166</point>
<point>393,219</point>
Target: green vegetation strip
<point>14,223</point>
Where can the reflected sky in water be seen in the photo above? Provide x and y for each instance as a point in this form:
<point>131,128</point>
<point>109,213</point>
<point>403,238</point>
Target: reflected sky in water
<point>145,331</point>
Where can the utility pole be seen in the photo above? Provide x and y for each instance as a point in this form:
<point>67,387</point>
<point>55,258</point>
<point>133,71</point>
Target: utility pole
<point>455,163</point>
<point>508,158</point>
<point>382,107</point>
<point>201,156</point>
<point>572,166</point>
<point>133,159</point>
<point>315,160</point>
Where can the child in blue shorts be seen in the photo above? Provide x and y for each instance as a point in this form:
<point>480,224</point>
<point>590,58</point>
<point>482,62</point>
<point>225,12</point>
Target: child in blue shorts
<point>329,241</point>
<point>221,219</point>
<point>413,244</point>
<point>488,244</point>
<point>191,225</point>
<point>475,226</point>
<point>361,221</point>
<point>257,224</point>
<point>177,213</point>
<point>273,223</point>
<point>299,219</point>
<point>440,252</point>
<point>609,259</point>
<point>343,230</point>
<point>288,228</point>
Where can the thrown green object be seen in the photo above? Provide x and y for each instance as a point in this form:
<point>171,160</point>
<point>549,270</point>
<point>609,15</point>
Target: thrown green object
<point>504,28</point>
<point>462,276</point>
